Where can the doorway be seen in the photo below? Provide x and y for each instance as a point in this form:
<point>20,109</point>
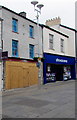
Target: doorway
<point>59,72</point>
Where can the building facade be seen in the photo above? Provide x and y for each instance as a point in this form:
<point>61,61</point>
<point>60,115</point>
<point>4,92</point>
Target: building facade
<point>21,42</point>
<point>59,63</point>
<point>24,43</point>
<point>20,35</point>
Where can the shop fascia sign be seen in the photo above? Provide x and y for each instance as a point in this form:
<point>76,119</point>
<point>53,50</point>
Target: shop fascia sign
<point>61,60</point>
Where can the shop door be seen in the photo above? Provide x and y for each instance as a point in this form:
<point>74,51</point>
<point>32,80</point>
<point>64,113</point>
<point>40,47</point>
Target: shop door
<point>59,72</point>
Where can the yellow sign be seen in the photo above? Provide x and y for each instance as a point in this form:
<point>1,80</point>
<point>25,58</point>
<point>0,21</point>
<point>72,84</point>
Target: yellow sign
<point>39,58</point>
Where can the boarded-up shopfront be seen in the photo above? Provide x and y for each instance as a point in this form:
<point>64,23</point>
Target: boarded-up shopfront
<point>20,74</point>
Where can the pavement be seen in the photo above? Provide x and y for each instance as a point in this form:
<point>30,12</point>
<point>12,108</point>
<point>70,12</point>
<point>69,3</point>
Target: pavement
<point>53,100</point>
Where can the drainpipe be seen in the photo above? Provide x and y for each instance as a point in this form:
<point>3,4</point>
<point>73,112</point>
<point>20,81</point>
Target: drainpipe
<point>43,57</point>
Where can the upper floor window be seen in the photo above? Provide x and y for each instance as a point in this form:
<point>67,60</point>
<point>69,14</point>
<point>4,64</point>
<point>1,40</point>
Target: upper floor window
<point>62,45</point>
<point>31,31</point>
<point>51,41</point>
<point>14,25</point>
<point>15,48</point>
<point>31,51</point>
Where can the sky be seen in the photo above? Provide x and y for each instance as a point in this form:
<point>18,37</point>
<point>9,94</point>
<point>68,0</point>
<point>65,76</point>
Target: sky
<point>65,9</point>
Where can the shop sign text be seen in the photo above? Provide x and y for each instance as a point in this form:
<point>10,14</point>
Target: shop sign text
<point>61,60</point>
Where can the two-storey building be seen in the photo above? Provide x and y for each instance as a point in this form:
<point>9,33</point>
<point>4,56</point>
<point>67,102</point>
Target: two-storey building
<point>59,51</point>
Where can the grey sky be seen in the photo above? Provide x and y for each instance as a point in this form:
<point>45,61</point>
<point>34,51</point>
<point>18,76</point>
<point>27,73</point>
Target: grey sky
<point>65,9</point>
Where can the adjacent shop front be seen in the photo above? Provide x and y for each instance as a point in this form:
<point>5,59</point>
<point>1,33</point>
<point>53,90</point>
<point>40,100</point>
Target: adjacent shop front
<point>58,68</point>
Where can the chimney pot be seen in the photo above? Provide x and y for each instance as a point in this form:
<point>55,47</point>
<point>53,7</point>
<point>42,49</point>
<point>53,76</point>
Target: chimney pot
<point>23,14</point>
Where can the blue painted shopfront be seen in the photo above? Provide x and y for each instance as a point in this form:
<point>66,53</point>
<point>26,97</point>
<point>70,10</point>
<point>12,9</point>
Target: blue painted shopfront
<point>58,62</point>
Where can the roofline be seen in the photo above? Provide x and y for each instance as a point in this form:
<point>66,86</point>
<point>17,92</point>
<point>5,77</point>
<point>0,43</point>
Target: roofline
<point>40,24</point>
<point>55,31</point>
<point>17,14</point>
<point>68,28</point>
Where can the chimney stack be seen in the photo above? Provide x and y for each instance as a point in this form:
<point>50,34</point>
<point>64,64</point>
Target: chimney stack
<point>23,14</point>
<point>54,21</point>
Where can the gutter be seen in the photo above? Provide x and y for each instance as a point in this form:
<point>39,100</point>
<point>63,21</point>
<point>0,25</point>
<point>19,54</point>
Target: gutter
<point>55,31</point>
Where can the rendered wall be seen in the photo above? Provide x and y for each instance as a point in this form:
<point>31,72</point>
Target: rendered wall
<point>22,36</point>
<point>57,37</point>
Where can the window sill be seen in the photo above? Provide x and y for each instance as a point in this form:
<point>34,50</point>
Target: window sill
<point>62,52</point>
<point>31,58</point>
<point>51,49</point>
<point>15,56</point>
<point>15,32</point>
<point>32,37</point>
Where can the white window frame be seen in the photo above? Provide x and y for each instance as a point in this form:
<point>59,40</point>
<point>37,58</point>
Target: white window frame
<point>31,31</point>
<point>51,41</point>
<point>62,45</point>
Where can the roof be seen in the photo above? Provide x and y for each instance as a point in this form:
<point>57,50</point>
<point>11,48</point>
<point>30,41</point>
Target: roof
<point>17,14</point>
<point>68,28</point>
<point>55,31</point>
<point>40,24</point>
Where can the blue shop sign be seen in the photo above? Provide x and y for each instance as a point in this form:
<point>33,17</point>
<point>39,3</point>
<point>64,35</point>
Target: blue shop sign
<point>56,59</point>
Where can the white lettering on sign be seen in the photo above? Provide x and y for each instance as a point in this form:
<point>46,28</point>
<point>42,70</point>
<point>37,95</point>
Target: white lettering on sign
<point>61,60</point>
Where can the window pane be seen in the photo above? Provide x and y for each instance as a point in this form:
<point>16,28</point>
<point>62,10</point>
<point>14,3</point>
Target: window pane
<point>62,45</point>
<point>31,31</point>
<point>15,25</point>
<point>14,48</point>
<point>51,41</point>
<point>31,51</point>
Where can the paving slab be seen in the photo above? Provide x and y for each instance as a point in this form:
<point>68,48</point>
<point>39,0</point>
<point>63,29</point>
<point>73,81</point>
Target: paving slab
<point>55,100</point>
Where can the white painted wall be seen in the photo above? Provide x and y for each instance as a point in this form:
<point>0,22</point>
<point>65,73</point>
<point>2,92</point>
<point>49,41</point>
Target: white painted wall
<point>71,40</point>
<point>76,15</point>
<point>57,37</point>
<point>22,37</point>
